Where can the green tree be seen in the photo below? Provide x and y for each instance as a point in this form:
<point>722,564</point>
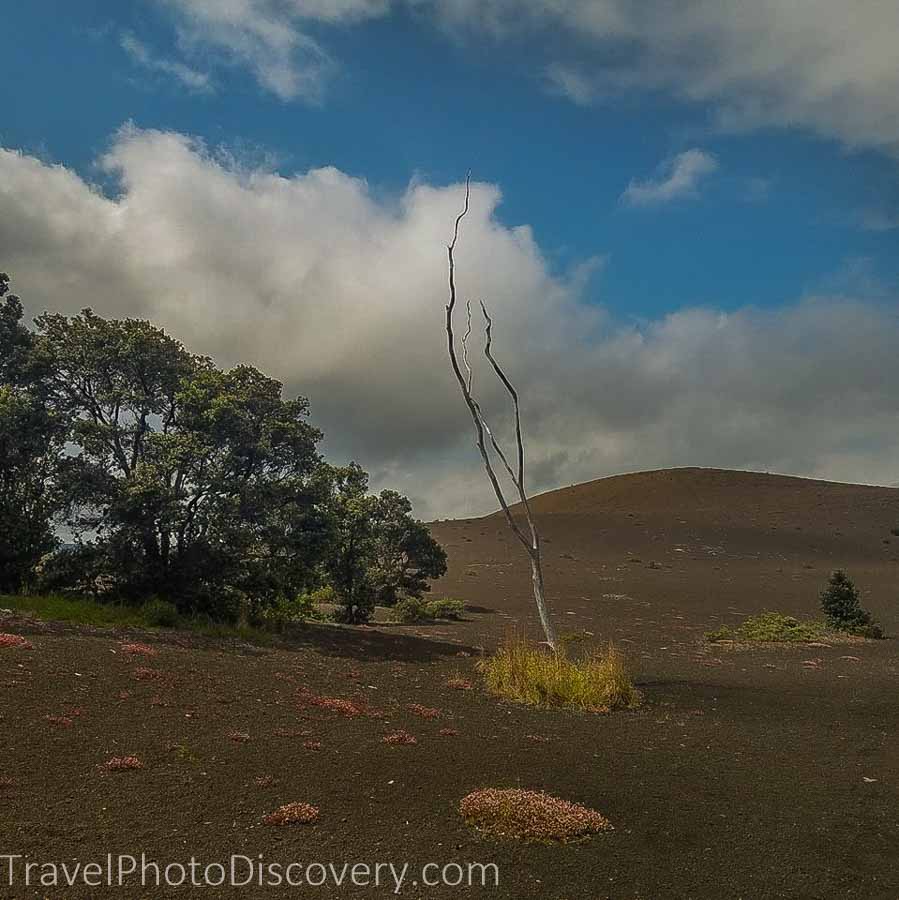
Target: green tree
<point>380,552</point>
<point>841,603</point>
<point>30,444</point>
<point>351,546</point>
<point>197,484</point>
<point>405,556</point>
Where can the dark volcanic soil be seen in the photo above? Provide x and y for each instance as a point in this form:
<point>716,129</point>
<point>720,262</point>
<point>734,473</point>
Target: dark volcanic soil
<point>748,773</point>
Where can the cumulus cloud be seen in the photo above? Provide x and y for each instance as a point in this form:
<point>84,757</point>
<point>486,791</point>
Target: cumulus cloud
<point>678,177</point>
<point>191,78</point>
<point>339,291</point>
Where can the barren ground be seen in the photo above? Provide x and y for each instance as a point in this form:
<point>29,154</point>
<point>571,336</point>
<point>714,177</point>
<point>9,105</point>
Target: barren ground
<point>748,773</point>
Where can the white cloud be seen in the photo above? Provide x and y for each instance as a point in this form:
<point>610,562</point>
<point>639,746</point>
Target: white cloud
<point>268,37</point>
<point>193,79</point>
<point>827,66</point>
<point>339,292</point>
<point>678,177</point>
<point>824,65</point>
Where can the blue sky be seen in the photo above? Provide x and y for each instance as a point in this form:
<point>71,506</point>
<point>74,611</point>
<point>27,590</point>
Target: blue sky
<point>722,169</point>
<point>779,218</point>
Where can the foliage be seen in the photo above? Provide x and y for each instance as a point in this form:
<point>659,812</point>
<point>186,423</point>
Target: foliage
<point>412,610</point>
<point>379,553</point>
<point>841,603</point>
<point>526,673</point>
<point>770,626</point>
<point>183,480</point>
<point>30,444</point>
<point>404,554</point>
<point>197,483</point>
<point>160,613</point>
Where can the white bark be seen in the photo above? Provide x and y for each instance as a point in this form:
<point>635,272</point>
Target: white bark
<point>530,540</point>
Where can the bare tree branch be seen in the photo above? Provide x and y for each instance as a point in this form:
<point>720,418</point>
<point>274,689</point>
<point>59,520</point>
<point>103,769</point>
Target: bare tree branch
<point>532,544</point>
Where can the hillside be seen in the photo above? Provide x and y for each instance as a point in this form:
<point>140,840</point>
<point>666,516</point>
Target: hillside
<point>706,544</point>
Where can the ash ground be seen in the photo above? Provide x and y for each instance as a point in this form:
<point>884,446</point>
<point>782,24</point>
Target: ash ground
<point>748,773</point>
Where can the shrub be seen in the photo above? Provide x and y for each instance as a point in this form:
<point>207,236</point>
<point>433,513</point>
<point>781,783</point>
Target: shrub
<point>445,608</point>
<point>528,674</point>
<point>530,815</point>
<point>770,626</point>
<point>840,602</point>
<point>411,610</point>
<point>159,613</point>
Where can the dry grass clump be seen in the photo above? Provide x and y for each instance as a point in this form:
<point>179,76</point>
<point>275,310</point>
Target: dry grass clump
<point>292,814</point>
<point>15,640</point>
<point>139,650</point>
<point>598,682</point>
<point>530,815</point>
<point>122,764</point>
<point>448,732</point>
<point>459,683</point>
<point>399,738</point>
<point>424,712</point>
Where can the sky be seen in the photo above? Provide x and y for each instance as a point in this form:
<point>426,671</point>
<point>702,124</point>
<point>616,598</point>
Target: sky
<point>685,217</point>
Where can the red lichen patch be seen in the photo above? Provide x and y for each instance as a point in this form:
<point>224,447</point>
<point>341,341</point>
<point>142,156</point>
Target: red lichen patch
<point>530,815</point>
<point>139,650</point>
<point>15,640</point>
<point>425,712</point>
<point>60,721</point>
<point>76,712</point>
<point>123,695</point>
<point>239,737</point>
<point>399,738</point>
<point>312,745</point>
<point>537,738</point>
<point>458,683</point>
<point>292,814</point>
<point>448,732</point>
<point>143,673</point>
<point>122,764</point>
<point>291,732</point>
<point>350,709</point>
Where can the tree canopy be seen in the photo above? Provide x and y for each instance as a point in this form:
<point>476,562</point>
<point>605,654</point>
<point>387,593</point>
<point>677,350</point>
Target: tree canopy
<point>182,480</point>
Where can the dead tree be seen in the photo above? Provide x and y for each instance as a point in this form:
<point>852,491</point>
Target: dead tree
<point>530,540</point>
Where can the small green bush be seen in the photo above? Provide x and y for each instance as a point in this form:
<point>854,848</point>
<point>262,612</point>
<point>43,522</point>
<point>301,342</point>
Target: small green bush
<point>159,613</point>
<point>445,608</point>
<point>411,610</point>
<point>770,626</point>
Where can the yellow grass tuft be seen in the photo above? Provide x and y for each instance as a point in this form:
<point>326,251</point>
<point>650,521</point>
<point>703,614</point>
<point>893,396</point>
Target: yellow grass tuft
<point>526,673</point>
